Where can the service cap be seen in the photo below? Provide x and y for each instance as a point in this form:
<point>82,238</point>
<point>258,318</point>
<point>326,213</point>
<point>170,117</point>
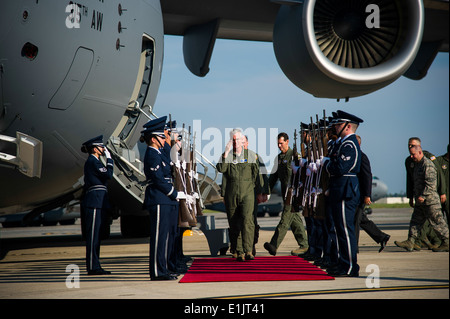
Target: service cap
<point>343,117</point>
<point>155,127</point>
<point>96,141</point>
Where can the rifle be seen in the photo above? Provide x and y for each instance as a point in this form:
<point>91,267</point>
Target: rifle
<point>318,164</point>
<point>290,191</point>
<point>189,185</point>
<point>301,176</point>
<point>313,166</point>
<point>197,193</point>
<point>324,136</point>
<point>185,216</point>
<point>306,186</point>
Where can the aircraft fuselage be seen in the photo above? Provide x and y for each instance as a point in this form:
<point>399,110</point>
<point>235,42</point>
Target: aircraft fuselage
<point>68,73</point>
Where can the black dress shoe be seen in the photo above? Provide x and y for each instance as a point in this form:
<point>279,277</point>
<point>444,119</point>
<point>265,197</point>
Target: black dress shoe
<point>98,272</point>
<point>383,243</point>
<point>165,277</point>
<point>344,274</point>
<point>339,272</point>
<point>310,257</point>
<point>319,262</point>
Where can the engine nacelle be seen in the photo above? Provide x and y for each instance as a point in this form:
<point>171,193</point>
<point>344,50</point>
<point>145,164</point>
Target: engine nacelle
<point>327,48</point>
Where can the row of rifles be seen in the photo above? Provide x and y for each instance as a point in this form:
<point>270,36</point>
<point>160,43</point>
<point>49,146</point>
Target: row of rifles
<point>186,178</point>
<point>308,182</point>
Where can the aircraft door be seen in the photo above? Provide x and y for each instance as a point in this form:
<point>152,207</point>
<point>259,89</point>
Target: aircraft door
<point>141,89</point>
<point>74,80</point>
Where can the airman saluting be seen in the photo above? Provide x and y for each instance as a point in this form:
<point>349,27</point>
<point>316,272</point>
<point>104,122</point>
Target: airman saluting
<point>95,200</point>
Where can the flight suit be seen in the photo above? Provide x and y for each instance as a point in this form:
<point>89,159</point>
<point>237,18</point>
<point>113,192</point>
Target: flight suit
<point>94,203</point>
<point>241,172</point>
<point>289,218</point>
<point>264,189</point>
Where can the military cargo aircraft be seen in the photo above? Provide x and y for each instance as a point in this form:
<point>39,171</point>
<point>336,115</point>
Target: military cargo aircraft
<point>71,70</point>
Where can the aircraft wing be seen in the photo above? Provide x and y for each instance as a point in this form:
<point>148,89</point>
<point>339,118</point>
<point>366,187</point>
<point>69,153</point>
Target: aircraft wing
<point>254,19</point>
<point>240,19</point>
<point>202,21</point>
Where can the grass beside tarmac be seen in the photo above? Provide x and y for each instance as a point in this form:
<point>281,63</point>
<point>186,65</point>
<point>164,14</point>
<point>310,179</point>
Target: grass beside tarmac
<point>373,206</point>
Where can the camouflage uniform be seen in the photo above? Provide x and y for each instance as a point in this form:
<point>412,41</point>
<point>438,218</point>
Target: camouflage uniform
<point>424,181</point>
<point>427,236</point>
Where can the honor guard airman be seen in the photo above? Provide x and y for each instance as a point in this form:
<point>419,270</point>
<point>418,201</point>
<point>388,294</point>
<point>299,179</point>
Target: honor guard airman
<point>160,200</point>
<point>343,166</point>
<point>95,200</point>
<point>175,261</point>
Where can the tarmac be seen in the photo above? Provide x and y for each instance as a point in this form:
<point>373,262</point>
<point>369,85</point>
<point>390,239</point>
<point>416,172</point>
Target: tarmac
<point>42,263</point>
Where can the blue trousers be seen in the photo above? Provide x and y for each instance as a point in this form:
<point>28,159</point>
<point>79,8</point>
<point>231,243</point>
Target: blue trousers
<point>343,213</point>
<point>92,226</point>
<point>163,229</point>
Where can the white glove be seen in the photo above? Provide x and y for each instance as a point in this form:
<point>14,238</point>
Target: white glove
<point>308,172</point>
<point>181,195</point>
<point>190,200</point>
<point>303,162</point>
<point>318,162</point>
<point>294,167</point>
<point>107,153</point>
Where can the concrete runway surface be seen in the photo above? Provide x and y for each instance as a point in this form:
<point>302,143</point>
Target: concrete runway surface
<point>34,260</point>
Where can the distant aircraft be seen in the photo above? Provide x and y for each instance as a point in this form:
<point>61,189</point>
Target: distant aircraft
<point>71,70</point>
<point>379,189</point>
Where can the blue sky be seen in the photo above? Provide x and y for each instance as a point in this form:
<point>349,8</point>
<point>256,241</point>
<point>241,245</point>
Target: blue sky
<point>246,88</point>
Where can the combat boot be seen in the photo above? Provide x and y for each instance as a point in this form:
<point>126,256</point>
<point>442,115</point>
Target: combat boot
<point>407,244</point>
<point>270,248</point>
<point>443,247</point>
<point>429,245</point>
<point>299,251</point>
<point>249,256</point>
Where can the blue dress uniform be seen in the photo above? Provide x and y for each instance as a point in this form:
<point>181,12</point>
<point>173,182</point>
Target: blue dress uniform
<point>160,201</point>
<point>343,167</point>
<point>94,203</point>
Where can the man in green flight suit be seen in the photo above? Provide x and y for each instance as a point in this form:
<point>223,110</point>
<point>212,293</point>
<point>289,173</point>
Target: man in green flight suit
<point>289,219</point>
<point>241,169</point>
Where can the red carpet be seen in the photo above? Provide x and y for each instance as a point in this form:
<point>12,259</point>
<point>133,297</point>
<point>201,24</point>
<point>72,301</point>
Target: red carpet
<point>276,268</point>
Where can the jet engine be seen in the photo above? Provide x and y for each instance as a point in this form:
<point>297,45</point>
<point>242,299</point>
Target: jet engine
<point>347,48</point>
